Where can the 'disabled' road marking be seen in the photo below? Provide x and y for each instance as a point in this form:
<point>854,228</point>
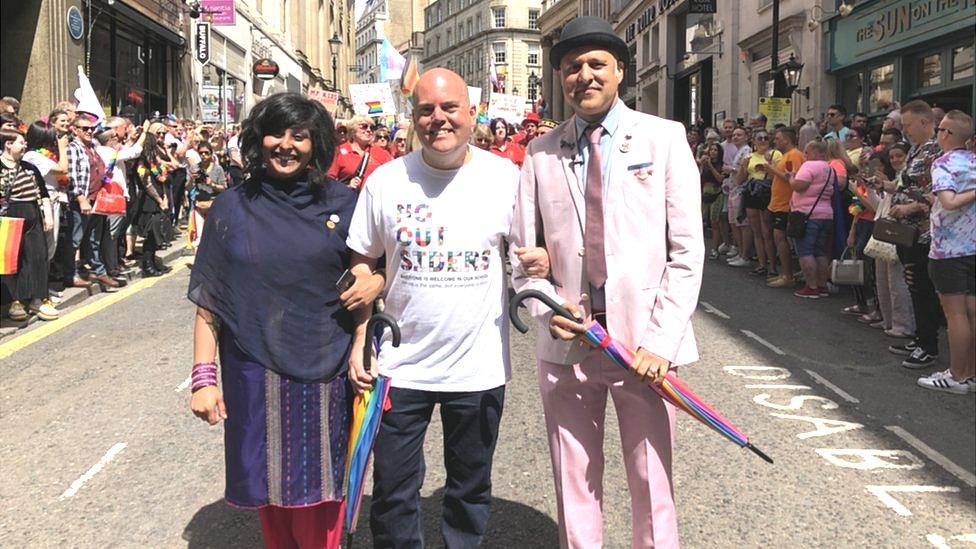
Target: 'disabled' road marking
<point>109,456</point>
<point>185,384</point>
<point>934,455</point>
<point>826,383</point>
<point>763,342</point>
<point>48,328</point>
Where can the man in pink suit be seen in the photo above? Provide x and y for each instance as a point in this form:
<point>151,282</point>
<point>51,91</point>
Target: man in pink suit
<point>614,196</point>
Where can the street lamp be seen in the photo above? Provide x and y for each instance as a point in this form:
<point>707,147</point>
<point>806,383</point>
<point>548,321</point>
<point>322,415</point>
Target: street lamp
<point>334,43</point>
<point>533,85</point>
<point>515,90</point>
<point>792,70</point>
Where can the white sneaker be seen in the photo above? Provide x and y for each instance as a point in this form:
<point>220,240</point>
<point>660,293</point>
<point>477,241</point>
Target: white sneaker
<point>723,248</point>
<point>943,381</point>
<point>45,311</point>
<point>740,262</point>
<point>732,251</point>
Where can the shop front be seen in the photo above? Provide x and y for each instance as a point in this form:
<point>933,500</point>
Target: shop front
<point>223,82</point>
<point>695,43</point>
<point>132,60</point>
<point>891,51</point>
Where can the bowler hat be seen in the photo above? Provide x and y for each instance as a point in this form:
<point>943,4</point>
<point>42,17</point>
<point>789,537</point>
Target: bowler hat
<point>588,31</point>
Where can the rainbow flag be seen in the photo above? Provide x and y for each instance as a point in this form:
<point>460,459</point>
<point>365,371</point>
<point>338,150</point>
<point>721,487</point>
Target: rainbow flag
<point>410,76</point>
<point>391,62</point>
<point>375,107</point>
<point>483,113</point>
<point>10,233</point>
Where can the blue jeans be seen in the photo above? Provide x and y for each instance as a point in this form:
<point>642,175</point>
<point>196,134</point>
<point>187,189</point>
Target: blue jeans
<point>86,235</point>
<point>470,431</point>
<point>813,242</point>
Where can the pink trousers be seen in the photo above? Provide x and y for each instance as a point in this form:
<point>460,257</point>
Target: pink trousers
<point>575,400</point>
<point>315,527</point>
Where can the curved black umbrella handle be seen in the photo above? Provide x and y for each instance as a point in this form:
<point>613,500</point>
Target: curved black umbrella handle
<point>379,318</point>
<point>526,294</point>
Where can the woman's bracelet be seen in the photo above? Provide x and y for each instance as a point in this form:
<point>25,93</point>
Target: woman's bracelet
<point>204,375</point>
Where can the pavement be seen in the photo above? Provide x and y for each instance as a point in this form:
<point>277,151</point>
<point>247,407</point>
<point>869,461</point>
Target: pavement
<point>100,449</point>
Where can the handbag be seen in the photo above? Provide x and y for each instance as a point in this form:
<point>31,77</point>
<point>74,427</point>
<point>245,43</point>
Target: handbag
<point>882,251</point>
<point>847,270</point>
<point>11,231</point>
<point>109,200</point>
<point>891,231</point>
<point>796,222</point>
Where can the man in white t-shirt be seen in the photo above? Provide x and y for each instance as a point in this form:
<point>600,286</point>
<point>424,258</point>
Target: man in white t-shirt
<point>441,217</point>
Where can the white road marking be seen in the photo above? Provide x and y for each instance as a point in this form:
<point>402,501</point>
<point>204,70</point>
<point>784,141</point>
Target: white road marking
<point>823,381</point>
<point>883,493</point>
<point>184,385</point>
<point>781,373</point>
<point>775,386</point>
<point>709,308</point>
<point>763,342</point>
<point>76,485</point>
<point>966,476</point>
<point>941,543</point>
<point>823,426</point>
<point>870,460</point>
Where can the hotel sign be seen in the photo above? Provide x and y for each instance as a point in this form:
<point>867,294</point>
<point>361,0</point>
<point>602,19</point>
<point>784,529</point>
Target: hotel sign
<point>889,25</point>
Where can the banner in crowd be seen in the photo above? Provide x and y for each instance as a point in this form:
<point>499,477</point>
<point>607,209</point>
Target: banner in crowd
<point>210,103</point>
<point>372,99</point>
<point>509,107</point>
<point>474,95</point>
<point>328,99</point>
<point>778,110</point>
<point>220,13</point>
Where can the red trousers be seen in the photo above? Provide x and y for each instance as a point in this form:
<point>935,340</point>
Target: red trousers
<point>315,527</point>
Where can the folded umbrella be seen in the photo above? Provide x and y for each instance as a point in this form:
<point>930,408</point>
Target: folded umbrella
<point>367,411</point>
<point>671,388</point>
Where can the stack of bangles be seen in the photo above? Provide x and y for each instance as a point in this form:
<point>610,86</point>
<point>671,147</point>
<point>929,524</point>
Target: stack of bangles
<point>204,375</point>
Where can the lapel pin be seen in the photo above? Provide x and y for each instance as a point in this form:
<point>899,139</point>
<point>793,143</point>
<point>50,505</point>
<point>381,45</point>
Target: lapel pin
<point>625,147</point>
<point>332,221</point>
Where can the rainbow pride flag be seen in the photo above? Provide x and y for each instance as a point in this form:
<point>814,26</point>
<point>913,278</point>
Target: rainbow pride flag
<point>375,107</point>
<point>11,229</point>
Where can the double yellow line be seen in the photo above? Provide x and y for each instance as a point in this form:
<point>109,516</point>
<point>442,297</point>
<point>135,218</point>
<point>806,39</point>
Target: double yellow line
<point>81,313</point>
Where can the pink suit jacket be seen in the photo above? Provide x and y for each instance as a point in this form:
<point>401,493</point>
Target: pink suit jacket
<point>653,236</point>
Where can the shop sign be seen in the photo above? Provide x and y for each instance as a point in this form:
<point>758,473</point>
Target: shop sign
<point>76,23</point>
<point>220,13</point>
<point>210,110</point>
<point>890,25</point>
<point>265,69</point>
<point>702,6</point>
<point>203,43</point>
<point>778,110</point>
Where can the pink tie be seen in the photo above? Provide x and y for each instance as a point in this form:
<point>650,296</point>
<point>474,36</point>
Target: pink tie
<point>594,258</point>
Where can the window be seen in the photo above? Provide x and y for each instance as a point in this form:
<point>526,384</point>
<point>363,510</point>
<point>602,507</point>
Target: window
<point>882,81</point>
<point>850,92</point>
<point>449,43</point>
<point>962,62</point>
<point>533,57</point>
<point>534,19</point>
<point>477,23</point>
<point>498,14</point>
<point>930,70</point>
<point>460,33</point>
<point>470,28</point>
<point>499,50</point>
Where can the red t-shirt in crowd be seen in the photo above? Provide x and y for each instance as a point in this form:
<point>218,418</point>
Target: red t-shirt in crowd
<point>513,152</point>
<point>347,160</point>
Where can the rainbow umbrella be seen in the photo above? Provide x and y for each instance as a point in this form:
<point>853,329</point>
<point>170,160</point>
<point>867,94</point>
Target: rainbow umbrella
<point>671,388</point>
<point>367,411</point>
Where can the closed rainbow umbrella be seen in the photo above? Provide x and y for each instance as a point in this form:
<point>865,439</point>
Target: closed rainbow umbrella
<point>367,411</point>
<point>670,389</point>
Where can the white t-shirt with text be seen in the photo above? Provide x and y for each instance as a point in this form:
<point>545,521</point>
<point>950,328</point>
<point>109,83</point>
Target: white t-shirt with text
<point>443,233</point>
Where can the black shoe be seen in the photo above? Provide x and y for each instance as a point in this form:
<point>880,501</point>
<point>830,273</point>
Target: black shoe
<point>160,266</point>
<point>904,350</point>
<point>919,359</point>
<point>149,272</point>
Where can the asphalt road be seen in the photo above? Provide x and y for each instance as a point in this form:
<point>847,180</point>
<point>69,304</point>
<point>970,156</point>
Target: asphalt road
<point>99,448</point>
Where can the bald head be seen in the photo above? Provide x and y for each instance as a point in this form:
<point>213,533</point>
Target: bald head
<point>441,80</point>
<point>443,118</point>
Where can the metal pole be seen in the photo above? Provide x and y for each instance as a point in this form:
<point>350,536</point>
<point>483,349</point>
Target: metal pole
<point>774,54</point>
<point>335,72</point>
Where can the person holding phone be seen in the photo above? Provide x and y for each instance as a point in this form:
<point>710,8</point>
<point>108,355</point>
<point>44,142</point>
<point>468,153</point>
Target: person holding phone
<point>356,159</point>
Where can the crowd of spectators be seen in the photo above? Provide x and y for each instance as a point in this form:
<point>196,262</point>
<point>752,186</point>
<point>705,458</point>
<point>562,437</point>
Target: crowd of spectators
<point>786,202</point>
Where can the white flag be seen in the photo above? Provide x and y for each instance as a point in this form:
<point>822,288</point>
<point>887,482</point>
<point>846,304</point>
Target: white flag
<point>85,95</point>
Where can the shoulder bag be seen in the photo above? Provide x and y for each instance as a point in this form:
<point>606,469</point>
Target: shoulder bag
<point>796,222</point>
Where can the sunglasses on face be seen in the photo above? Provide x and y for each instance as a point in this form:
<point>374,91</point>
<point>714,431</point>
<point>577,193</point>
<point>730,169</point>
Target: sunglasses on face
<point>383,137</point>
<point>761,138</point>
<point>86,129</point>
<point>399,140</point>
<point>365,127</point>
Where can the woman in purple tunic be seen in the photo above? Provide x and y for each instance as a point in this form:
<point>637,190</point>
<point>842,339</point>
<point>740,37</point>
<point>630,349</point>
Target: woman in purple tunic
<point>264,281</point>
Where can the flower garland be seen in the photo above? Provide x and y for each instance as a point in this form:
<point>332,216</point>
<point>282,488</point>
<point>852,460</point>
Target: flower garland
<point>159,172</point>
<point>50,155</point>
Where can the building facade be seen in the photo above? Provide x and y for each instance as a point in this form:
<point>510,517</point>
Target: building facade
<point>140,54</point>
<point>467,36</point>
<point>401,22</point>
